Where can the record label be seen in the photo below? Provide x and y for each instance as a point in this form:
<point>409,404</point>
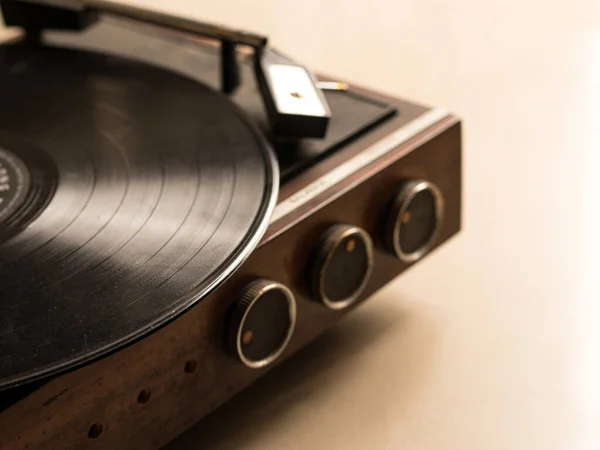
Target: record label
<point>14,182</point>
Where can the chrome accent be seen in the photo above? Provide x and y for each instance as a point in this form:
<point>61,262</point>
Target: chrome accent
<point>333,86</point>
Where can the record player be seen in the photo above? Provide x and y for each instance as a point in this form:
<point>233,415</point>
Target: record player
<point>183,207</point>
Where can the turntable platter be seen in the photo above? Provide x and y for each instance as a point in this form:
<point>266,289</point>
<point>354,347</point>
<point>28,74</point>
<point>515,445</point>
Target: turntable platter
<point>127,194</point>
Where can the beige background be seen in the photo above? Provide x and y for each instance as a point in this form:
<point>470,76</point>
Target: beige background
<point>492,342</point>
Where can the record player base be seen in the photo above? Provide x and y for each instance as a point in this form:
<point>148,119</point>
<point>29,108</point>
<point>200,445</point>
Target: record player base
<point>145,395</point>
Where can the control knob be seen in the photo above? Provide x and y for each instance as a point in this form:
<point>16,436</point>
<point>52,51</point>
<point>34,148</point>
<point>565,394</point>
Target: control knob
<point>414,220</point>
<point>341,266</point>
<point>262,323</point>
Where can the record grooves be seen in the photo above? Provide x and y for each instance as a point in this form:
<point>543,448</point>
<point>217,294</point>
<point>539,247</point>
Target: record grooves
<point>147,190</point>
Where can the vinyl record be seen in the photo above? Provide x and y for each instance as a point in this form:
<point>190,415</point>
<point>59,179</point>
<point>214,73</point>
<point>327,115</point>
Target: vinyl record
<point>127,194</point>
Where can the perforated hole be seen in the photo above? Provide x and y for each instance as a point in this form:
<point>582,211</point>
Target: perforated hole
<point>144,396</point>
<point>95,431</point>
<point>190,366</point>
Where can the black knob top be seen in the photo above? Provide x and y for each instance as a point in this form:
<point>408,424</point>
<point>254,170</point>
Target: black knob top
<point>262,323</point>
<point>414,220</point>
<point>342,266</point>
